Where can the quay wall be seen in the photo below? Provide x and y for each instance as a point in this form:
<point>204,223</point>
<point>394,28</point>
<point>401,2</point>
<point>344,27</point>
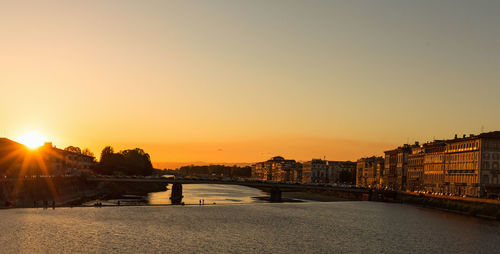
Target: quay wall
<point>67,190</point>
<point>485,208</point>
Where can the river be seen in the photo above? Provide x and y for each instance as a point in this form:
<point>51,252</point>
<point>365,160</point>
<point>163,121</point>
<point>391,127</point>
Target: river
<point>249,227</point>
<point>210,194</point>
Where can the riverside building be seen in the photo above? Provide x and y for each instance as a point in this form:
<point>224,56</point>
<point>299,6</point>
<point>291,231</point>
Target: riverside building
<point>340,172</point>
<point>323,171</point>
<point>313,171</point>
<point>465,166</point>
<point>317,169</point>
<point>390,164</point>
<point>369,171</point>
<point>415,176</point>
<point>276,169</point>
<point>20,161</point>
<point>65,162</point>
<point>396,167</point>
<point>472,164</point>
<point>434,159</point>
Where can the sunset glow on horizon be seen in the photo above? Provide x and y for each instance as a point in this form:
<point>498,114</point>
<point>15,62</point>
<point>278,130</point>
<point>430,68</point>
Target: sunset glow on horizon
<point>32,139</point>
<point>225,81</point>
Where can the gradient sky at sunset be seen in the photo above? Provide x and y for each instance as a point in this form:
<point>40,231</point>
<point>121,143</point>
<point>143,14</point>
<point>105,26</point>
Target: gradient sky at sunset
<point>241,81</point>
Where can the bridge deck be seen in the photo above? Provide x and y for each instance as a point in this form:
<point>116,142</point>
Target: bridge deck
<point>282,186</point>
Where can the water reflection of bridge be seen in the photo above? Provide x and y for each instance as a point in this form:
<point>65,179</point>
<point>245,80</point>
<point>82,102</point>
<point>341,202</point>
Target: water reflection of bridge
<point>274,189</point>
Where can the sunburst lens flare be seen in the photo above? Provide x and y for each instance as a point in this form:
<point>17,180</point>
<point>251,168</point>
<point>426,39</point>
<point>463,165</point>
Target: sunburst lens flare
<point>32,140</point>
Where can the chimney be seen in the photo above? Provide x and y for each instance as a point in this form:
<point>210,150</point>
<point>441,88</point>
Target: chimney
<point>464,135</point>
<point>456,136</point>
<point>47,145</point>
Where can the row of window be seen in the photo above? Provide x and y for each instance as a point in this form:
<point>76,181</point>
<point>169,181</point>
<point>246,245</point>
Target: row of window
<point>416,161</point>
<point>462,165</point>
<point>461,178</point>
<point>493,165</point>
<point>414,175</point>
<point>433,158</point>
<point>463,146</point>
<point>491,144</point>
<point>493,180</point>
<point>433,177</point>
<point>474,156</point>
<point>462,157</point>
<point>430,161</point>
<point>433,167</point>
<point>493,156</point>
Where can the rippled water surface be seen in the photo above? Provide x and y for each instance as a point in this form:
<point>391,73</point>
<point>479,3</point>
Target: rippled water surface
<point>314,227</point>
<point>210,194</point>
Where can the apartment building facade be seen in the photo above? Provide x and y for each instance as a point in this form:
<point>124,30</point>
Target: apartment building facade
<point>369,171</point>
<point>276,169</point>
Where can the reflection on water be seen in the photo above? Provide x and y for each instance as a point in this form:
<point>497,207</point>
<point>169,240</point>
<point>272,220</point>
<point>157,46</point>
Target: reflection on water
<point>210,193</point>
<point>309,227</point>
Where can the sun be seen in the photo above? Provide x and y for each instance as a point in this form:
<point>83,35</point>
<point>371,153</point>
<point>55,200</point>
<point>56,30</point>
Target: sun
<point>32,139</point>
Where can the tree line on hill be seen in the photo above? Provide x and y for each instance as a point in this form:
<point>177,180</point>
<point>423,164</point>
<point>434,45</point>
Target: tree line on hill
<point>216,170</point>
<point>125,162</point>
<point>75,149</point>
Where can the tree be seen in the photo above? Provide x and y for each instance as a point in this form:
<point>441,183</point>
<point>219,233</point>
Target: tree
<point>137,162</point>
<point>73,149</point>
<point>216,170</point>
<point>87,152</point>
<point>346,177</point>
<point>106,153</point>
<point>127,162</point>
<point>108,162</point>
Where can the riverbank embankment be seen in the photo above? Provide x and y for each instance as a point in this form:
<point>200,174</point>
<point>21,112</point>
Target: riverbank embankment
<point>67,191</point>
<point>484,208</point>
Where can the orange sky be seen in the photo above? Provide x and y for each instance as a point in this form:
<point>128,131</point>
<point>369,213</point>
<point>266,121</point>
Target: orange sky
<point>233,81</point>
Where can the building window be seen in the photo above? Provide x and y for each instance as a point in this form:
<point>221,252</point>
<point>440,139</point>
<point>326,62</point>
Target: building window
<point>486,165</point>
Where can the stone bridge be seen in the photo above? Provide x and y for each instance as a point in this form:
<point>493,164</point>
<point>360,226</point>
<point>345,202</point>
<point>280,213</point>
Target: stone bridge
<point>25,191</point>
<point>274,189</point>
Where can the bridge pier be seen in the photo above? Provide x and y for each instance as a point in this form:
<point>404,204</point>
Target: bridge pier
<point>176,195</point>
<point>275,194</point>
